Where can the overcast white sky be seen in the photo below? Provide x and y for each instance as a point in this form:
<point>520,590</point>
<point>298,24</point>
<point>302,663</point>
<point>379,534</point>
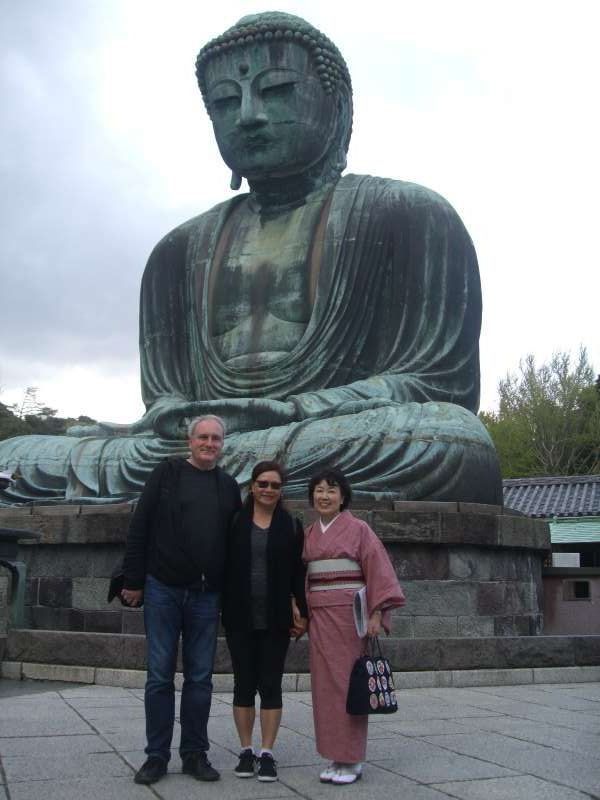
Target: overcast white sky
<point>105,146</point>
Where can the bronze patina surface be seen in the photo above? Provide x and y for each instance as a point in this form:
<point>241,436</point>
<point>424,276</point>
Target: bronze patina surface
<point>326,318</point>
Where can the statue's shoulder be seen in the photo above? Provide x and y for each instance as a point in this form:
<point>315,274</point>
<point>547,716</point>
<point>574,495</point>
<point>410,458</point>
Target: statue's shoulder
<point>397,195</point>
<point>176,241</point>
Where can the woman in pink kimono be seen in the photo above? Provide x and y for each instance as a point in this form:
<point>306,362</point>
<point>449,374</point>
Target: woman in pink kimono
<point>343,554</point>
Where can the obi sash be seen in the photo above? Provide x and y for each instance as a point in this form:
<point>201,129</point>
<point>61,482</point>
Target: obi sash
<point>334,573</point>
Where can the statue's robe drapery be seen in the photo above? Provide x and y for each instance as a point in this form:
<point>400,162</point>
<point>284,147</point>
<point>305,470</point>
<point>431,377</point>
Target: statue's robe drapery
<point>384,381</point>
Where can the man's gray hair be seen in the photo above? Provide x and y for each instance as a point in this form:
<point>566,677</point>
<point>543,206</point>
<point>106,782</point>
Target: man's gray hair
<point>203,418</point>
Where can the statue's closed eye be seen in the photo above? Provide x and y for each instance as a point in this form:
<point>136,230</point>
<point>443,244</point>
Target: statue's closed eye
<point>230,103</point>
<point>280,90</point>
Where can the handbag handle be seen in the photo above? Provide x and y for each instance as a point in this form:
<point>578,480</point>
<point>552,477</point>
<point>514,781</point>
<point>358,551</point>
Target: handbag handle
<point>373,647</point>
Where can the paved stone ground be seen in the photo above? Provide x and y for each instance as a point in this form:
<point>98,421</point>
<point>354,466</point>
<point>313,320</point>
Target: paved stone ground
<point>539,742</point>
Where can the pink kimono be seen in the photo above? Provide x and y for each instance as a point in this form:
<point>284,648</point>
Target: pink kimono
<point>334,644</point>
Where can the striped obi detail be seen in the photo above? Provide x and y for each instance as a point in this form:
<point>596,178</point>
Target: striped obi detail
<point>334,573</point>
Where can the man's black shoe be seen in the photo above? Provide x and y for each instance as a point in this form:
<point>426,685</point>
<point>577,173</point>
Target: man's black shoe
<point>152,770</point>
<point>266,768</point>
<point>245,767</point>
<point>198,765</point>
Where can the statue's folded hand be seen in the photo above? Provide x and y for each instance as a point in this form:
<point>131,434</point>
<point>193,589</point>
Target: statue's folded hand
<point>356,406</point>
<point>251,414</point>
<point>239,414</point>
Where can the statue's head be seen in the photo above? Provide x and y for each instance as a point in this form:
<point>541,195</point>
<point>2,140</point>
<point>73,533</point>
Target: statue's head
<point>279,96</point>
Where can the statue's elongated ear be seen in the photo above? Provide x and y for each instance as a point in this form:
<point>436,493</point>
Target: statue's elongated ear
<point>236,181</point>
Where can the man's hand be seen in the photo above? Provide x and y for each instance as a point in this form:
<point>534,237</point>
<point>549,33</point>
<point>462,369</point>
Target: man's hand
<point>132,597</point>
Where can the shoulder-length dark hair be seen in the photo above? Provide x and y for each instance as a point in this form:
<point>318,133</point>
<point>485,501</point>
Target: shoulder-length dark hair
<point>263,466</point>
<point>334,477</point>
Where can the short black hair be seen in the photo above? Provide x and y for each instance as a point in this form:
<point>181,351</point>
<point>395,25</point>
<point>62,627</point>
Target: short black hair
<point>334,477</point>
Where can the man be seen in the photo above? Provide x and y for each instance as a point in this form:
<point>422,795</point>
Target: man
<point>174,564</point>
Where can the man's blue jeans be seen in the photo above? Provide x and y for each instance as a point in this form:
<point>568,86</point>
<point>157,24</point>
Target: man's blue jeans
<point>168,612</point>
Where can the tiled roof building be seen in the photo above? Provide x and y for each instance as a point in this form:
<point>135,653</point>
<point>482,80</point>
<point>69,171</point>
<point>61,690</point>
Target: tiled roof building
<point>571,503</point>
<point>563,496</point>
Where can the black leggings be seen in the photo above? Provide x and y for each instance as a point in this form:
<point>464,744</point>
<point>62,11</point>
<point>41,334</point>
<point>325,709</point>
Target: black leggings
<point>258,659</point>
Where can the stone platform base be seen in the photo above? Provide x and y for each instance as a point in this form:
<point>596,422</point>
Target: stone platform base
<point>122,651</point>
<point>467,570</point>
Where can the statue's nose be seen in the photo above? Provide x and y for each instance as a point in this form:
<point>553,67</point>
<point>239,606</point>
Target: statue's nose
<point>251,110</point>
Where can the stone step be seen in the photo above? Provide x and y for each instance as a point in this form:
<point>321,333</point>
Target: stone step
<point>301,682</point>
<point>127,651</point>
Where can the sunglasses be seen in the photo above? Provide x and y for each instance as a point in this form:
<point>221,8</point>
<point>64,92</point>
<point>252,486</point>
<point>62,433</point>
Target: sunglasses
<point>269,485</point>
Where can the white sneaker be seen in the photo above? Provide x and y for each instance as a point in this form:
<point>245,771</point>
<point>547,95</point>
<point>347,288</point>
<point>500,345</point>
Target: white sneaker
<point>329,772</point>
<point>347,773</point>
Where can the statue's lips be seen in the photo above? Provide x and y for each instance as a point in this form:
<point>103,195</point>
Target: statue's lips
<point>256,142</point>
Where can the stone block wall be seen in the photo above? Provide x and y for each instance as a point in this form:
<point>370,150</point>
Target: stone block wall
<point>467,591</point>
<point>67,589</point>
<point>469,571</point>
<point>5,580</point>
<point>68,572</point>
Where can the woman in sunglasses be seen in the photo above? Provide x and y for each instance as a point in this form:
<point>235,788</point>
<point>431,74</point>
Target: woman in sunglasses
<point>263,604</point>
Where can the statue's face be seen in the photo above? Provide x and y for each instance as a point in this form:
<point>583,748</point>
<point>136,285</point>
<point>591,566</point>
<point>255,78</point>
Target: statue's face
<point>270,115</point>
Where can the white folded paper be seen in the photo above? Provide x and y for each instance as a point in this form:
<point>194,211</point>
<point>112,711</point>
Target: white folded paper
<point>361,616</point>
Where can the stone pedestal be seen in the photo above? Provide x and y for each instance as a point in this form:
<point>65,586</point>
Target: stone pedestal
<point>5,588</point>
<point>467,570</point>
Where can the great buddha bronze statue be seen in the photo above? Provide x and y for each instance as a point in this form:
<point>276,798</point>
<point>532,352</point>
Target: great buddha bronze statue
<point>325,318</point>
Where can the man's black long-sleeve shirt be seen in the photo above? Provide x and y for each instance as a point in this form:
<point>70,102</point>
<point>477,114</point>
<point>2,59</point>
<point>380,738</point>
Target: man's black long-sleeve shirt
<point>179,529</point>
